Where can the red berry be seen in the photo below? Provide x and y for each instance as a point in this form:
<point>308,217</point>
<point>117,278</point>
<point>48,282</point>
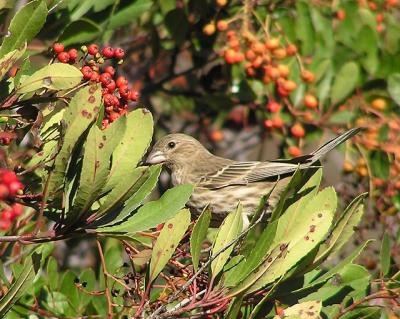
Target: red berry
<point>7,214</point>
<point>134,95</point>
<point>95,77</point>
<point>17,210</point>
<point>108,52</point>
<point>87,72</point>
<point>3,192</point>
<point>273,106</point>
<point>5,224</point>
<point>15,187</point>
<point>108,99</point>
<point>110,70</point>
<point>124,91</point>
<point>7,177</point>
<point>105,78</point>
<point>119,53</point>
<point>73,54</point>
<point>6,141</point>
<point>111,85</point>
<point>113,116</point>
<point>297,130</point>
<point>121,80</point>
<point>115,101</point>
<point>105,123</point>
<point>63,57</point>
<point>93,49</point>
<point>58,47</point>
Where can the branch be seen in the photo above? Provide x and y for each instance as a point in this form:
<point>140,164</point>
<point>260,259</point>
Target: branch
<point>202,268</point>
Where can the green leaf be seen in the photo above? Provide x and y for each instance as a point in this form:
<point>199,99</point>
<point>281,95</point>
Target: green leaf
<point>228,231</point>
<point>304,27</point>
<point>177,25</point>
<point>298,239</point>
<point>59,303</point>
<point>52,273</point>
<point>345,82</point>
<point>8,61</point>
<point>342,230</point>
<point>394,87</point>
<point>95,168</point>
<point>385,255</point>
<point>130,192</point>
<point>154,213</point>
<point>80,114</point>
<point>56,76</point>
<point>81,9</point>
<point>132,146</point>
<point>304,310</point>
<point>79,31</point>
<point>167,241</point>
<point>199,233</point>
<point>21,284</point>
<point>379,163</point>
<point>24,26</point>
<point>130,13</point>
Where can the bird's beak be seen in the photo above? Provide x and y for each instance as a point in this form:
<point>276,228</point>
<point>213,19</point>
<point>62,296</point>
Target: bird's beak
<point>156,158</point>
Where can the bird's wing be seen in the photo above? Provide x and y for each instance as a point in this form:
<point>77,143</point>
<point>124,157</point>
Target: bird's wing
<point>243,173</point>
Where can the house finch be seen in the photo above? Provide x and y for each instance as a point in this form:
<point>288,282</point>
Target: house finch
<point>221,183</point>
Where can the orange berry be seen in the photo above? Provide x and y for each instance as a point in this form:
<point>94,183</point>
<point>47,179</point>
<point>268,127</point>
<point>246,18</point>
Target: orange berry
<point>289,85</point>
<point>257,62</point>
<point>209,29</point>
<point>222,25</point>
<point>272,43</point>
<point>258,47</point>
<point>294,151</point>
<point>348,167</point>
<point>380,28</point>
<point>230,56</point>
<point>362,171</point>
<point>341,14</point>
<point>291,49</point>
<point>250,55</point>
<point>308,116</point>
<point>397,185</point>
<point>372,5</point>
<point>379,104</point>
<point>273,106</point>
<point>310,101</point>
<point>391,3</point>
<point>268,124</point>
<point>378,182</point>
<point>282,92</point>
<point>298,130</point>
<point>307,76</point>
<point>216,135</point>
<point>279,53</point>
<point>277,122</point>
<point>283,70</point>
<point>379,17</point>
<point>272,72</point>
<point>231,34</point>
<point>239,57</point>
<point>221,3</point>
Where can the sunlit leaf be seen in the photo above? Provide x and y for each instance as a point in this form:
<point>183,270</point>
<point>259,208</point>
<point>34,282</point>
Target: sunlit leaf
<point>167,241</point>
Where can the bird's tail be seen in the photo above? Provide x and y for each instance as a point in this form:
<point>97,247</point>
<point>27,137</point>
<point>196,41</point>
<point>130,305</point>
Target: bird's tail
<point>330,145</point>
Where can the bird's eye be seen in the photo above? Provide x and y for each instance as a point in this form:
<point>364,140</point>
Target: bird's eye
<point>171,144</point>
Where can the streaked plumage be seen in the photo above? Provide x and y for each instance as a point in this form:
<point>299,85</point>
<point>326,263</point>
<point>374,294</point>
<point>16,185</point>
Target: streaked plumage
<point>221,182</point>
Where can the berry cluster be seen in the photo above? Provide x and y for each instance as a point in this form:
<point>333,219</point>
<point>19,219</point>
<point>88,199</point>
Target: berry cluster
<point>116,92</point>
<point>9,187</point>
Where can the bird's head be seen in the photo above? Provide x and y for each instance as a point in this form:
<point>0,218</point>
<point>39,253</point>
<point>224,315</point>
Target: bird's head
<point>174,149</point>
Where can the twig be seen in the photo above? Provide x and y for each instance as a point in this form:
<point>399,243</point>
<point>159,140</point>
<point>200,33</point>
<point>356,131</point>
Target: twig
<point>107,292</point>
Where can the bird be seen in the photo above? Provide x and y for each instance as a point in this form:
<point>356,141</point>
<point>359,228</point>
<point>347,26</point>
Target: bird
<point>220,183</point>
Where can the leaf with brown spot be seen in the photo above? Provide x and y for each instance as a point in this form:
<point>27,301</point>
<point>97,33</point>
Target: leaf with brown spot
<point>75,125</point>
<point>167,242</point>
<point>95,167</point>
